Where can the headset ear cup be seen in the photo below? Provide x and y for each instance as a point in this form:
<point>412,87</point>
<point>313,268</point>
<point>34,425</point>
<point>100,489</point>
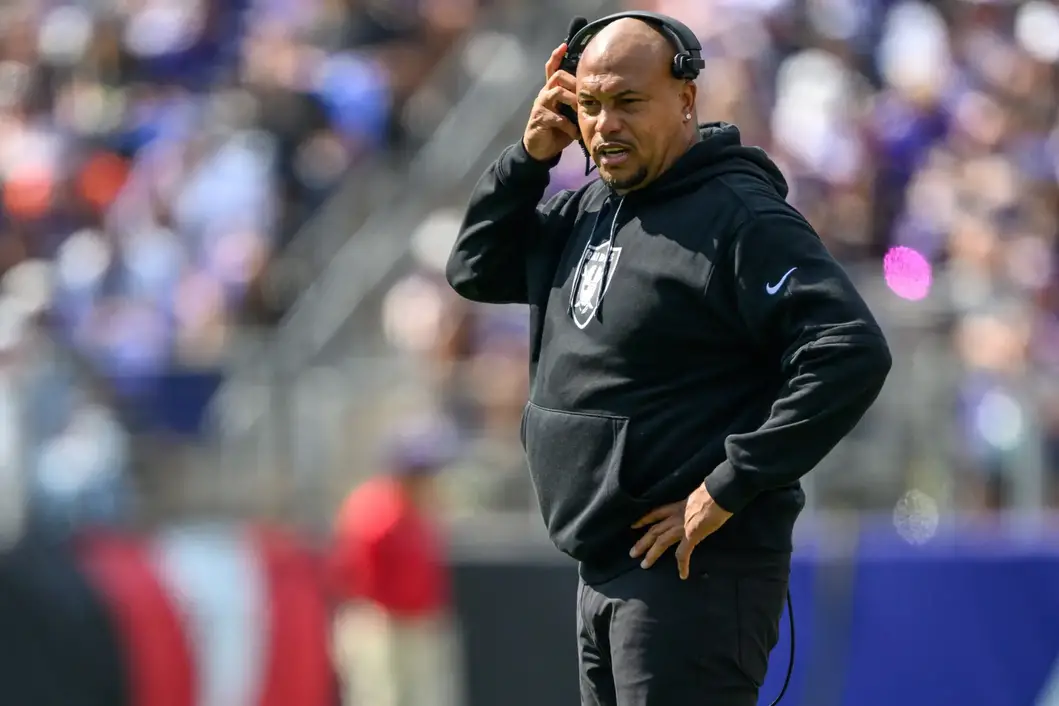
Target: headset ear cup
<point>684,68</point>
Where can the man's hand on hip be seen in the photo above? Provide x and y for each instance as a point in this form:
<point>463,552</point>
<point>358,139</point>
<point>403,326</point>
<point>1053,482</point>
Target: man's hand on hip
<point>685,524</point>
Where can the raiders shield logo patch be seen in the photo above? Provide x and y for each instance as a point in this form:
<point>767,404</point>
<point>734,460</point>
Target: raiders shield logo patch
<point>590,279</point>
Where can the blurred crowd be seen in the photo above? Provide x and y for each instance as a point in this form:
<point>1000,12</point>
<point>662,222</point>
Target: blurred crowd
<point>922,141</point>
<point>155,156</point>
<point>156,153</point>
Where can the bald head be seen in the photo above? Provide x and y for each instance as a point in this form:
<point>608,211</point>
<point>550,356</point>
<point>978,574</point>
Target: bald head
<point>636,118</point>
<point>624,44</point>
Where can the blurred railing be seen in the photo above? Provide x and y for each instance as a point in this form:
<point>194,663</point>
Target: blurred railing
<point>916,437</point>
<point>378,181</point>
<point>490,114</point>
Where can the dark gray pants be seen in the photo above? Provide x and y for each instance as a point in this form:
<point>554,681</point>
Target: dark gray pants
<point>646,638</point>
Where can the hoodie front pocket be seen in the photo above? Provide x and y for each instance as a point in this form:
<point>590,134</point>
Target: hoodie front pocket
<point>574,459</point>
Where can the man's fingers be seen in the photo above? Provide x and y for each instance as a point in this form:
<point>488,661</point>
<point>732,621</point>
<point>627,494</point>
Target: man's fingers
<point>564,79</point>
<point>661,545</point>
<point>553,120</point>
<point>554,60</point>
<point>652,534</point>
<point>683,555</point>
<point>555,95</point>
<point>650,518</point>
<point>660,513</point>
<point>641,547</point>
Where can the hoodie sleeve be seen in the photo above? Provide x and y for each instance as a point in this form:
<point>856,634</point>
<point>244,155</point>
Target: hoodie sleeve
<point>503,221</point>
<point>796,300</point>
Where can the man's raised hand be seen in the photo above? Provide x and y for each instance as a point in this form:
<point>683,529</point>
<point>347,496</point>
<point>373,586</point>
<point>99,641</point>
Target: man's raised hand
<point>548,132</point>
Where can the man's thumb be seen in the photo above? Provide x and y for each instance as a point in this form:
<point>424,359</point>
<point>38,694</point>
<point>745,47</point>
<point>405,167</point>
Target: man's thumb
<point>683,555</point>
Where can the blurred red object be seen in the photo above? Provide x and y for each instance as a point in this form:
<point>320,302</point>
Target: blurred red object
<point>28,193</point>
<point>158,656</point>
<point>102,178</point>
<point>298,660</point>
<point>388,552</point>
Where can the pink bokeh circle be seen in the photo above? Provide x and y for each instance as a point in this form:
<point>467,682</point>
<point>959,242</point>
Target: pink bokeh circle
<point>907,273</point>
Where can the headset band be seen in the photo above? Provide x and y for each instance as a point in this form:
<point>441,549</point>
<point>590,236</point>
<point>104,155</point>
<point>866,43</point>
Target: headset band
<point>686,64</point>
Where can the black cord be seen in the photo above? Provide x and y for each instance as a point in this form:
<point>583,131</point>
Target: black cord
<point>589,164</point>
<point>790,663</point>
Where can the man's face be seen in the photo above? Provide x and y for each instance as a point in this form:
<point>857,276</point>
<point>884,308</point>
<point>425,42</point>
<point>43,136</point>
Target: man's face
<point>631,115</point>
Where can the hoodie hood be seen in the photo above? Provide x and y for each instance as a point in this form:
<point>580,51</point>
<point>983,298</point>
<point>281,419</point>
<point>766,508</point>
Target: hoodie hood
<point>720,151</point>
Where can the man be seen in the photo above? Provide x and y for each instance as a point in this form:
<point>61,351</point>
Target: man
<point>695,350</point>
<point>393,634</point>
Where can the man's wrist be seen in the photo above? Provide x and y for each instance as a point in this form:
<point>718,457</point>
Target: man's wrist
<point>549,162</point>
<point>516,165</point>
<point>729,489</point>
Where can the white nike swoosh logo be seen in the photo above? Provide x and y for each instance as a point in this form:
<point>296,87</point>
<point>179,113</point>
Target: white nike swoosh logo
<point>773,288</point>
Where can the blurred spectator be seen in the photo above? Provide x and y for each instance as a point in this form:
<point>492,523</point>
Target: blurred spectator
<point>159,153</point>
<point>73,444</point>
<point>393,636</point>
<point>475,359</point>
<point>155,157</point>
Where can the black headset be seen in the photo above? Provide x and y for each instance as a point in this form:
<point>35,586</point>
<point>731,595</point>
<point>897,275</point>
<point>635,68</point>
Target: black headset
<point>687,63</point>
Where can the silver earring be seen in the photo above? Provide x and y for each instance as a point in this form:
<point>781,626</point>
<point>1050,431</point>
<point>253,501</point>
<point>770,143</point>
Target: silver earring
<point>688,116</point>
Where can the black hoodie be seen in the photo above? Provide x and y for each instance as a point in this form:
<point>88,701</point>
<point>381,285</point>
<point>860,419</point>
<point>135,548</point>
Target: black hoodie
<point>725,345</point>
